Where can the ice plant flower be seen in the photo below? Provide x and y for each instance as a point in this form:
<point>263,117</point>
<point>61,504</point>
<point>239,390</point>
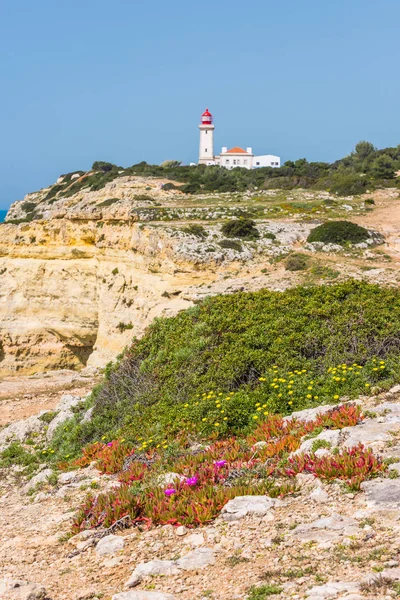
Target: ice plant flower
<point>192,481</point>
<point>220,463</point>
<point>170,492</point>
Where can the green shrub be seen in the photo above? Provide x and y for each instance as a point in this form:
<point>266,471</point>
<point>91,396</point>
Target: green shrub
<point>338,232</point>
<point>124,326</point>
<point>369,201</point>
<point>297,262</point>
<point>100,165</point>
<point>227,343</point>
<point>231,244</point>
<point>262,592</point>
<point>197,230</point>
<point>169,186</point>
<point>347,184</point>
<point>324,272</point>
<point>242,228</point>
<point>269,235</point>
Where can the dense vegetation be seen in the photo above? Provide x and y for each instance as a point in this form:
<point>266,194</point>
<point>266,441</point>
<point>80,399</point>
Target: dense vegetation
<point>338,232</point>
<point>215,368</point>
<point>365,168</point>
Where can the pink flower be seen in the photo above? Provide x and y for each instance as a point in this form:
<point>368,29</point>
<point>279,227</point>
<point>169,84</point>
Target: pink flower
<point>191,481</point>
<point>220,463</point>
<point>109,444</point>
<point>170,492</point>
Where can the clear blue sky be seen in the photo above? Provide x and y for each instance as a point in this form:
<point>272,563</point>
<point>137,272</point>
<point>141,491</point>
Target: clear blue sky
<point>127,80</point>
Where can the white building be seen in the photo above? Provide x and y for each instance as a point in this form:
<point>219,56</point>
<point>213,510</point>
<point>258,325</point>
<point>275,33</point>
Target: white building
<point>229,159</point>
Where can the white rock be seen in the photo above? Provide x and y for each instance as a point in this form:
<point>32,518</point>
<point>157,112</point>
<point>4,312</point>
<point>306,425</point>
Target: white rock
<point>319,495</point>
<point>181,530</point>
<point>21,430</point>
<point>39,478</point>
<point>239,507</point>
<point>197,559</point>
<point>109,545</point>
<point>309,414</point>
<point>67,402</point>
<point>13,589</point>
<point>157,567</point>
<point>331,590</point>
<point>142,595</point>
<point>69,477</point>
<point>170,479</point>
<point>196,539</point>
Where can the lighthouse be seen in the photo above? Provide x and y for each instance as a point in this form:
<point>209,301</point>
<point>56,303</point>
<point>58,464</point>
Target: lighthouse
<point>206,153</point>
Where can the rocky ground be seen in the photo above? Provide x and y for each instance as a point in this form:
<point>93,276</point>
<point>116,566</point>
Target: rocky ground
<point>321,543</point>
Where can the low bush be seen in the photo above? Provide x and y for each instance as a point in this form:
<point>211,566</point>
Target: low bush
<point>338,232</point>
<point>297,262</point>
<point>213,368</point>
<point>195,229</point>
<point>231,244</point>
<point>241,228</point>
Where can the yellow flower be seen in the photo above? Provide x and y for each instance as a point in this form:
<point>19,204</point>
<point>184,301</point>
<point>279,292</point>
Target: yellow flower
<point>255,417</point>
<point>309,396</point>
<point>367,385</point>
<point>258,403</point>
<point>123,439</point>
<point>225,418</point>
<point>104,437</point>
<point>222,412</point>
<point>382,366</point>
<point>266,413</point>
<point>336,397</point>
<point>315,397</point>
<point>290,393</point>
<point>216,424</point>
<point>290,402</point>
<point>204,420</point>
<point>259,408</point>
<point>309,387</point>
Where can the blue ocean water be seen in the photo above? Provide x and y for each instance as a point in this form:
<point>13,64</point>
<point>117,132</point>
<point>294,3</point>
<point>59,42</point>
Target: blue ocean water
<point>2,215</point>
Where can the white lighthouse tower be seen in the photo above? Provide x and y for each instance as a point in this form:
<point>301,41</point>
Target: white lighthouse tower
<point>206,153</point>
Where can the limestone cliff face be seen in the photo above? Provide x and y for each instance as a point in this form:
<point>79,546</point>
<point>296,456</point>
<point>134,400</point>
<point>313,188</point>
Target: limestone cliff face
<point>65,301</point>
<point>81,275</point>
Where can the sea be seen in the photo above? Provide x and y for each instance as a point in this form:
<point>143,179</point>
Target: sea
<point>2,215</point>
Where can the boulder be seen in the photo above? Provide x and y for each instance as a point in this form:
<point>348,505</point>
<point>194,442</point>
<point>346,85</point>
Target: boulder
<point>384,492</point>
<point>332,590</point>
<point>197,559</point>
<point>37,479</point>
<point>309,414</point>
<point>21,430</point>
<point>241,506</point>
<point>109,545</point>
<point>370,432</point>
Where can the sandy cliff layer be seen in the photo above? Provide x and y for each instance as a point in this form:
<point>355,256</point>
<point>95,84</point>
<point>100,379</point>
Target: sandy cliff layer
<point>66,298</point>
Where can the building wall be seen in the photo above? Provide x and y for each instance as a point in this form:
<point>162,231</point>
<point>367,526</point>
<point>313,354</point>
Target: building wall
<point>231,161</point>
<point>206,151</point>
<point>266,160</point>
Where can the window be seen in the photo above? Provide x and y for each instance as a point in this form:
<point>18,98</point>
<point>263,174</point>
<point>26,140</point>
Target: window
<point>245,161</point>
<point>205,150</point>
<point>227,161</point>
<point>258,164</point>
<point>234,161</point>
<point>206,131</point>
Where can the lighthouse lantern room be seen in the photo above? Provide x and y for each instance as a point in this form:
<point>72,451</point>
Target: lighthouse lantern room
<point>206,152</point>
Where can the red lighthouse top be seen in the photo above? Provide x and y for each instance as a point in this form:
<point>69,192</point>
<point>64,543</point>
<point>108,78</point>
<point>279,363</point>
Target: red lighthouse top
<point>206,118</point>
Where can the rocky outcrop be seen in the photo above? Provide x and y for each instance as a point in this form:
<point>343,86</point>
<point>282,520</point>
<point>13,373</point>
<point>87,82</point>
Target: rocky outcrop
<point>79,283</point>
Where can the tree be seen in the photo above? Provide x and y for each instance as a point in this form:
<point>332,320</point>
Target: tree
<point>364,149</point>
<point>383,167</point>
<point>100,165</point>
<point>171,164</point>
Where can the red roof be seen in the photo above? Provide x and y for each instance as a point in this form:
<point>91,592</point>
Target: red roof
<point>206,113</point>
<point>236,150</point>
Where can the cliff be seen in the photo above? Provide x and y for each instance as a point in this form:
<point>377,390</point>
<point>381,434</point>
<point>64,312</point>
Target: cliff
<point>82,274</point>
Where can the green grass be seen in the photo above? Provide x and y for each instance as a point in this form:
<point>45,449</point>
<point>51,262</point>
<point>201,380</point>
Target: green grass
<point>263,591</point>
<point>266,349</point>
